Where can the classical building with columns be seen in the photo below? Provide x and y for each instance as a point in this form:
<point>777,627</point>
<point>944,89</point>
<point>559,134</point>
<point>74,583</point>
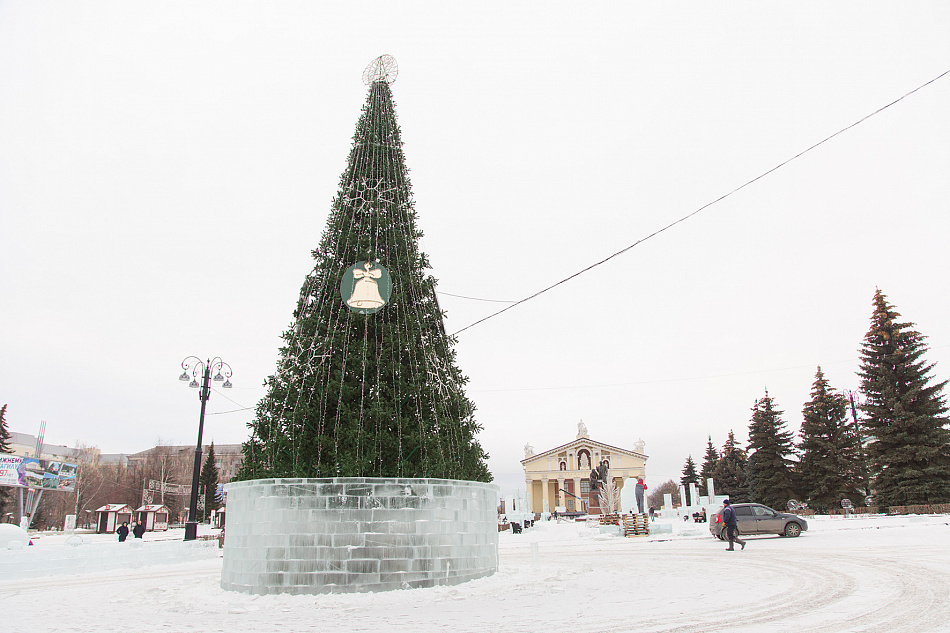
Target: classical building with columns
<point>560,477</point>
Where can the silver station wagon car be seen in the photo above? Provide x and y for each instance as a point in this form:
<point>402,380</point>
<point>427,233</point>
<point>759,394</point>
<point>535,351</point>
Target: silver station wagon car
<point>755,518</point>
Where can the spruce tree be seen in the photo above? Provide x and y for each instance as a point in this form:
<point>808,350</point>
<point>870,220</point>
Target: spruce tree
<point>730,474</point>
<point>829,449</point>
<point>905,413</point>
<point>360,393</point>
<point>690,476</point>
<point>208,484</point>
<point>6,493</point>
<point>709,466</point>
<point>770,448</point>
<point>4,432</point>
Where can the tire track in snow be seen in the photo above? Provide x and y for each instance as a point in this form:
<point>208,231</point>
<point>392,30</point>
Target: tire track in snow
<point>920,605</point>
<point>813,588</point>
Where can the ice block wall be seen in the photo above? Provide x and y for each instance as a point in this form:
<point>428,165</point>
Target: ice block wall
<point>308,536</point>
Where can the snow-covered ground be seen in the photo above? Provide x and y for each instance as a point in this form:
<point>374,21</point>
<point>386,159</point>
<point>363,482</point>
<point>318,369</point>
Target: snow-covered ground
<point>858,574</point>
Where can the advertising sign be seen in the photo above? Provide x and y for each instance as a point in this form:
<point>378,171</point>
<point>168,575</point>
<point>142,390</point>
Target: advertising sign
<point>40,474</point>
<point>8,470</point>
<point>170,489</point>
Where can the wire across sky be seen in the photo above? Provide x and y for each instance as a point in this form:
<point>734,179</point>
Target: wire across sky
<point>696,211</point>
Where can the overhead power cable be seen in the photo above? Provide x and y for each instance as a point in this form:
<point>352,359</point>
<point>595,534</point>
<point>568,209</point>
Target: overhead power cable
<point>231,411</point>
<point>705,206</point>
<point>664,380</point>
<point>243,408</point>
<point>613,385</point>
<point>449,294</point>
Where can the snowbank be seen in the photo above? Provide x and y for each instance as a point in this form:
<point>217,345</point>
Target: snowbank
<point>80,556</point>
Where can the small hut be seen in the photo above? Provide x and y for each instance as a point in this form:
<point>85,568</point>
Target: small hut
<point>111,516</point>
<point>218,518</point>
<point>153,517</point>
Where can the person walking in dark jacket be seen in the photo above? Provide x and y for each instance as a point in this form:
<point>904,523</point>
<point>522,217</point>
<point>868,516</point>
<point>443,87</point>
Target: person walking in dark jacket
<point>138,530</point>
<point>123,532</point>
<point>732,526</point>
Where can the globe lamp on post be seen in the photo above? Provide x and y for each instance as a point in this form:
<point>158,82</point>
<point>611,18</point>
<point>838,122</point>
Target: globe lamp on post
<point>192,366</point>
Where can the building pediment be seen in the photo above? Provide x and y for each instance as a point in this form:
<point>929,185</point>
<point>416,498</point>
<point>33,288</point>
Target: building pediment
<point>578,457</point>
<point>583,443</point>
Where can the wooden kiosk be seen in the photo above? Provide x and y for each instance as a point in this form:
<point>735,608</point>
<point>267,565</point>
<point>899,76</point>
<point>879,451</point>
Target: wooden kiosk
<point>111,516</point>
<point>153,517</point>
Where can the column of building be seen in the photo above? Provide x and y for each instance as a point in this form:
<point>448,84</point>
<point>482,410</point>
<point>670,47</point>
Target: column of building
<point>528,501</point>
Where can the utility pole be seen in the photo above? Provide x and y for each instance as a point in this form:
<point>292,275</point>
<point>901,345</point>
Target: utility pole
<point>862,456</point>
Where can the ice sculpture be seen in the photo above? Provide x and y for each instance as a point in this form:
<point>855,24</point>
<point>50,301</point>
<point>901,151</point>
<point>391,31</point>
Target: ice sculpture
<point>311,536</point>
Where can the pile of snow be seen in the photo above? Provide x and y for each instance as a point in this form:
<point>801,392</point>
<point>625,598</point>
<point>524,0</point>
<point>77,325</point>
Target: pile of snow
<point>13,536</point>
<point>60,553</point>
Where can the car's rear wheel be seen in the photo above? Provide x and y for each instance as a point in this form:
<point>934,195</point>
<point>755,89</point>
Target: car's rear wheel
<point>724,534</point>
<point>792,530</point>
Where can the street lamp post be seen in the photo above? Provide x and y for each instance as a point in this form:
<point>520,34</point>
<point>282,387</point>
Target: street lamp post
<point>192,366</point>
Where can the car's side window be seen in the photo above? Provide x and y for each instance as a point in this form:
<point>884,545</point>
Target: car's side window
<point>761,511</point>
<point>744,511</point>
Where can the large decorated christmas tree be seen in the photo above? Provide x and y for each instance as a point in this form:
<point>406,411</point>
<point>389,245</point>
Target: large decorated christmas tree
<point>367,383</point>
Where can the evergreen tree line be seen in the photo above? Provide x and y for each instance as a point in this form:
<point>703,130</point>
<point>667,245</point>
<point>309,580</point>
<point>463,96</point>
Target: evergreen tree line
<point>893,446</point>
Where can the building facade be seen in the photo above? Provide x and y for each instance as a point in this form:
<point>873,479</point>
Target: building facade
<point>24,445</point>
<point>560,477</point>
<point>181,461</point>
<point>227,457</point>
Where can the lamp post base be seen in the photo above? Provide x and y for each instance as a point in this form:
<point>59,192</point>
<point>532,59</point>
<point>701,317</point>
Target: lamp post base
<point>191,530</point>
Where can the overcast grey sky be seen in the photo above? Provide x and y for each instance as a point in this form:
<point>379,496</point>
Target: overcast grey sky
<point>166,169</point>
